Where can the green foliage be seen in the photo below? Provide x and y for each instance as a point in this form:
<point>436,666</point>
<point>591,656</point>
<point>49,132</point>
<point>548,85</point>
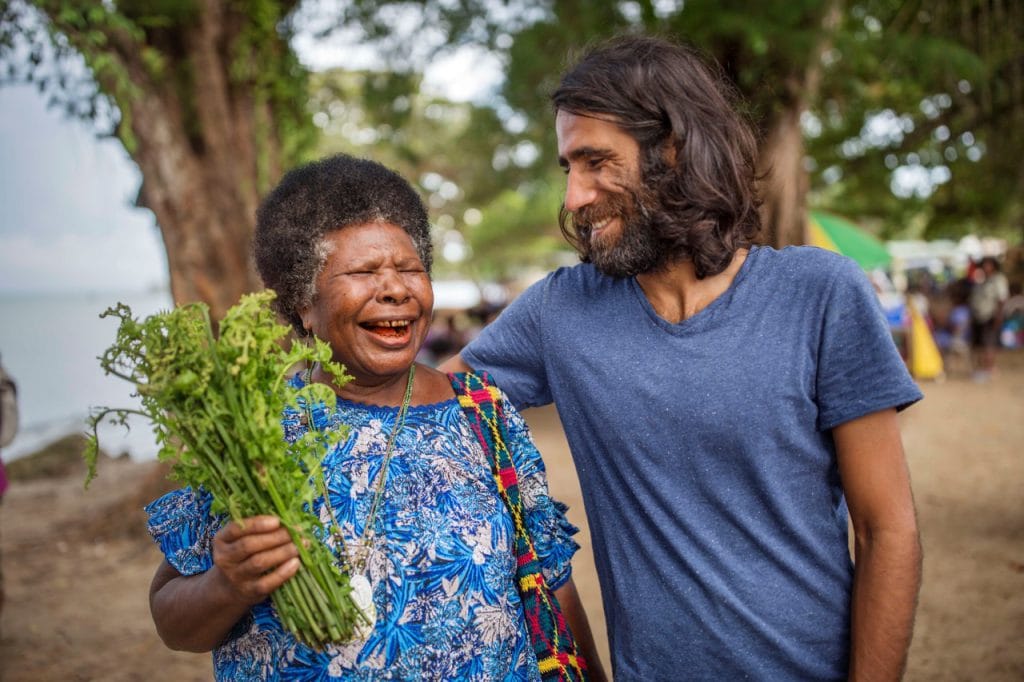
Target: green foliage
<point>759,46</point>
<point>459,155</point>
<point>870,58</point>
<point>263,61</point>
<point>919,73</point>
<point>949,74</point>
<point>216,405</point>
<point>141,49</point>
<point>519,231</point>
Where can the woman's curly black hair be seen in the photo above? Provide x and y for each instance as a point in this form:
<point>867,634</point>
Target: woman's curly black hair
<point>317,199</point>
<point>670,99</point>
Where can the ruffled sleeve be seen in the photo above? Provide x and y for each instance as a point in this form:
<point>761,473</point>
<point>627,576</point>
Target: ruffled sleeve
<point>551,531</point>
<point>183,527</point>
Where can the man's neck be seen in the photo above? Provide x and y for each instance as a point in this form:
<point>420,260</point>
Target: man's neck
<point>676,294</point>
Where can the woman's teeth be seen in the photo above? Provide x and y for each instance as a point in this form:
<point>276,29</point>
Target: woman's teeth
<point>388,327</point>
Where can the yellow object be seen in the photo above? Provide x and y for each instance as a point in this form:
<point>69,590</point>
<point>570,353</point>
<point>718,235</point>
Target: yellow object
<point>817,237</point>
<point>925,359</point>
<point>553,663</point>
<point>828,231</point>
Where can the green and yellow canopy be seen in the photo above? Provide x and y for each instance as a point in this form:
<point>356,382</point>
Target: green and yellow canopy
<point>837,234</point>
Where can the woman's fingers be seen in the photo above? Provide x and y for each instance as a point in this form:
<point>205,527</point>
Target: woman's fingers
<point>234,530</point>
<point>239,549</point>
<point>253,589</point>
<point>269,582</point>
<point>256,556</point>
<point>255,565</point>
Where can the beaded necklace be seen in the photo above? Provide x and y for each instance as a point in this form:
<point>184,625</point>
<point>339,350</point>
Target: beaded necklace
<point>362,591</point>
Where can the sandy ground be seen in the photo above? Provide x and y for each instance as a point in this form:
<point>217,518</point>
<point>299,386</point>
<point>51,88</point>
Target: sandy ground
<point>77,581</point>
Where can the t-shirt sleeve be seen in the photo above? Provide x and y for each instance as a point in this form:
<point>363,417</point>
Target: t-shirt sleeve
<point>860,370</point>
<point>511,350</point>
<point>550,530</point>
<point>183,527</point>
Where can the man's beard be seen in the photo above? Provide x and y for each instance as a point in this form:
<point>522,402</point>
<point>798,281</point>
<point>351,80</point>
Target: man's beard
<point>635,249</point>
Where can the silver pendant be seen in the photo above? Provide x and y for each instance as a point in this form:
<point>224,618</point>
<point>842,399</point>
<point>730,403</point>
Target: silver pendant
<point>362,597</point>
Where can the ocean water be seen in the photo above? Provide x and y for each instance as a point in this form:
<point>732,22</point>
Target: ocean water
<point>49,344</point>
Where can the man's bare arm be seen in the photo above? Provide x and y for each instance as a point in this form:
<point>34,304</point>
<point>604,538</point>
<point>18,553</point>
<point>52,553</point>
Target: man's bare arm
<point>455,364</point>
<point>887,548</point>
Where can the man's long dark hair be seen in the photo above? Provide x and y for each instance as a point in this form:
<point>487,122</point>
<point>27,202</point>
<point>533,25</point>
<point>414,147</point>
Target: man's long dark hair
<point>670,99</point>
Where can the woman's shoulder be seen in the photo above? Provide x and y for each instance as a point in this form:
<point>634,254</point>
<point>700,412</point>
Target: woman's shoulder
<point>432,386</point>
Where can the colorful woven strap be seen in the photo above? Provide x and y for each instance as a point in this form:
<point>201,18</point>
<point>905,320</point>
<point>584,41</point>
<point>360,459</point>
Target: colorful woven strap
<point>553,643</point>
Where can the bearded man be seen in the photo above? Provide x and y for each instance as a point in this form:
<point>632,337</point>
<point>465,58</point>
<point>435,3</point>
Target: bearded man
<point>728,406</point>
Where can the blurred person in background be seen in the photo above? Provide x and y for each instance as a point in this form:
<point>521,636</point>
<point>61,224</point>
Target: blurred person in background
<point>444,339</point>
<point>1012,335</point>
<point>8,429</point>
<point>988,295</point>
<point>728,406</point>
<point>953,329</point>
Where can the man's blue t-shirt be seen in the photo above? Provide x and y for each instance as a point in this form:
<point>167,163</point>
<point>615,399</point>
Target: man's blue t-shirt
<point>705,454</point>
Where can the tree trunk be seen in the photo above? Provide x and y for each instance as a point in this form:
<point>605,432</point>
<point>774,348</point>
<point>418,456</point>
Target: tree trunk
<point>781,158</point>
<point>203,137</point>
<point>198,155</point>
<point>785,186</point>
<point>205,208</point>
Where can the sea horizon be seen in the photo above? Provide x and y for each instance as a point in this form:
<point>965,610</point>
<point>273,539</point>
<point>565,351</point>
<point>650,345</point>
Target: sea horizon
<point>50,341</point>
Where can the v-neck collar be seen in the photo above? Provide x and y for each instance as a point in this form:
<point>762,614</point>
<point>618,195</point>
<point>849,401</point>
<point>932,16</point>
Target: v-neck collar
<point>700,321</point>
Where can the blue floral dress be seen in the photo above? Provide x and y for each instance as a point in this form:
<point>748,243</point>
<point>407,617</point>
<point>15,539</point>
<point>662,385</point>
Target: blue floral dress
<point>441,566</point>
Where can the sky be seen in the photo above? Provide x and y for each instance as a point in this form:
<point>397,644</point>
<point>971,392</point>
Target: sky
<point>67,222</point>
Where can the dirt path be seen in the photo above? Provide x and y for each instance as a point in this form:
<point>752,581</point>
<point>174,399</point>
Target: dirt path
<point>965,447</point>
<point>76,606</point>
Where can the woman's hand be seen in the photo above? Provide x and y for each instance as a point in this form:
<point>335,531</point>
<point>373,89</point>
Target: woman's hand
<point>251,560</point>
<point>255,557</point>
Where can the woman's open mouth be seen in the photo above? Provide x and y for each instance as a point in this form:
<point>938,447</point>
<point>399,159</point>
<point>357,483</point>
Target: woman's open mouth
<point>389,329</point>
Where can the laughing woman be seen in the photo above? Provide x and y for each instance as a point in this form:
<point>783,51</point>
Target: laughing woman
<point>412,510</point>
